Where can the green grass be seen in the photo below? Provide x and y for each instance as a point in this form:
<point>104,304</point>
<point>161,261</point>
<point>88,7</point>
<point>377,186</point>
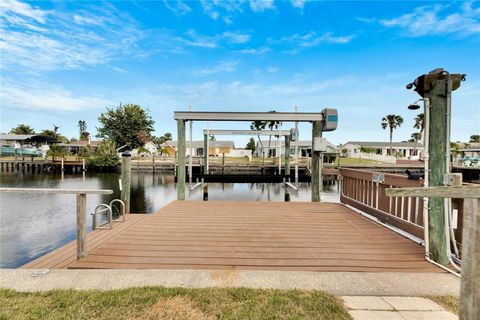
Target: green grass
<point>450,303</point>
<point>171,303</point>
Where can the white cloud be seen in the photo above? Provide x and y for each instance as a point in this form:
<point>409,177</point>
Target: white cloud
<point>261,5</point>
<point>195,39</point>
<point>178,7</point>
<point>272,70</point>
<point>255,51</point>
<point>39,40</point>
<point>37,96</point>
<point>298,3</point>
<point>227,9</point>
<point>310,39</point>
<point>217,8</point>
<point>11,9</point>
<point>433,20</point>
<point>224,66</point>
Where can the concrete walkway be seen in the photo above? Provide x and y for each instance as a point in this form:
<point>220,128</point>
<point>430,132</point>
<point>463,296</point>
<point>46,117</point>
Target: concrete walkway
<point>395,308</point>
<point>337,283</point>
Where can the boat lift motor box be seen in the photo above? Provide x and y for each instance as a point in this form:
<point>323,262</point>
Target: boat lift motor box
<point>331,119</point>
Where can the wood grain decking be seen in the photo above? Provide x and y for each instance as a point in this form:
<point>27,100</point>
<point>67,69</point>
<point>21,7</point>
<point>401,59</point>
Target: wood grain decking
<point>246,235</point>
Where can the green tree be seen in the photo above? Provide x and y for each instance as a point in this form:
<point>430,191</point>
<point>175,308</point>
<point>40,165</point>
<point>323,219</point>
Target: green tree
<point>54,134</point>
<point>455,150</point>
<point>22,129</point>
<point>475,138</point>
<point>167,136</point>
<point>414,138</point>
<point>272,125</point>
<point>391,121</point>
<point>123,124</point>
<point>56,151</point>
<point>419,122</point>
<point>250,145</point>
<point>259,126</point>
<point>82,127</point>
<point>367,150</point>
<point>105,156</point>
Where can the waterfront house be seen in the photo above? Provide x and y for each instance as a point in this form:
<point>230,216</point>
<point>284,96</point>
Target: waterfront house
<point>405,150</point>
<point>75,147</point>
<point>215,148</point>
<point>304,148</point>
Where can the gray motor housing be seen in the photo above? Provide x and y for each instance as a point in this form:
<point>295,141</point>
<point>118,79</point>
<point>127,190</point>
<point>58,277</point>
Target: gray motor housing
<point>331,119</point>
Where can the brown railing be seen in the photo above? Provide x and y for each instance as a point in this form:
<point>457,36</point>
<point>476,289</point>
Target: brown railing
<point>365,190</point>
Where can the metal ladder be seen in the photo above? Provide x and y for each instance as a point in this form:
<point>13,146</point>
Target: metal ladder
<point>108,208</point>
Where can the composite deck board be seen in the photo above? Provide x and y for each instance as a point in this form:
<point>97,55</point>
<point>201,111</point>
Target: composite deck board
<point>246,235</point>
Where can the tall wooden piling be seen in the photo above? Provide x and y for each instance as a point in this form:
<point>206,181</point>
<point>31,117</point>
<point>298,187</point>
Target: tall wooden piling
<point>470,284</point>
<point>181,160</point>
<point>126,178</point>
<point>205,154</point>
<point>81,225</point>
<point>315,168</point>
<point>287,155</point>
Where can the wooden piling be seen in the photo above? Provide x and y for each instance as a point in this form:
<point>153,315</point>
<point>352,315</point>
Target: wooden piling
<point>315,168</point>
<point>126,178</point>
<point>437,168</point>
<point>205,154</point>
<point>470,284</point>
<point>81,225</point>
<point>287,156</point>
<point>181,160</point>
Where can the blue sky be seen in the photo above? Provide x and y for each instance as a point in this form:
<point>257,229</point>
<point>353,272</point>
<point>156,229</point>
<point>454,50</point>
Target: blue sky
<point>67,61</point>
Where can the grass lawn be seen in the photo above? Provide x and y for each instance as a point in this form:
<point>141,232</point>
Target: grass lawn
<point>172,303</point>
<point>450,303</point>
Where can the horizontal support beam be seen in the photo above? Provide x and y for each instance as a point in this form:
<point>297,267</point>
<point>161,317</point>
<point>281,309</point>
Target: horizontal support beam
<point>56,191</point>
<point>248,116</point>
<point>437,192</point>
<point>247,132</point>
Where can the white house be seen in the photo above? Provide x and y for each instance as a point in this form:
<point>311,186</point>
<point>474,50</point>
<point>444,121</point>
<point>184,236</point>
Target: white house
<point>405,149</point>
<point>304,148</point>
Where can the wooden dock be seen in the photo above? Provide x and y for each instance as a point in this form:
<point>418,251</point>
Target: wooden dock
<point>246,235</point>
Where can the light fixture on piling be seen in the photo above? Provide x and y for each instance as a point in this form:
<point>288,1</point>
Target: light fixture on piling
<point>415,105</point>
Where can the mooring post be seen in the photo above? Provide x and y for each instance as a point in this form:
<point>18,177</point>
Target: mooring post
<point>205,154</point>
<point>205,192</point>
<point>470,283</point>
<point>437,167</point>
<point>181,160</point>
<point>315,167</point>
<point>287,157</point>
<point>126,177</point>
<point>81,225</point>
<point>223,162</point>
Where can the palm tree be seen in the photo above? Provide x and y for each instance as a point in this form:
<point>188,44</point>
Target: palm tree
<point>415,137</point>
<point>271,125</point>
<point>392,121</point>
<point>259,126</point>
<point>420,123</point>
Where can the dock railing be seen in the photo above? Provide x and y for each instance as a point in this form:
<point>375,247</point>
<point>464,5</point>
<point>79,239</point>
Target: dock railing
<point>81,195</point>
<point>365,190</point>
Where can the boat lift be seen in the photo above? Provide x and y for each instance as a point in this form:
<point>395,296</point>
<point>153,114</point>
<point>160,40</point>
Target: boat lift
<point>321,121</point>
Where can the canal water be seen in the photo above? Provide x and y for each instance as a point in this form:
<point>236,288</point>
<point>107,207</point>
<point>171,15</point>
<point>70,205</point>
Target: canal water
<point>32,225</point>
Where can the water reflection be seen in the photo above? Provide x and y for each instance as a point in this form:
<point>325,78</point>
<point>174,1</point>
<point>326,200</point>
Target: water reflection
<point>34,224</point>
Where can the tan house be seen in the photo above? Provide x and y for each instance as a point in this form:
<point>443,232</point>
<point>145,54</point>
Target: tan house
<point>215,148</point>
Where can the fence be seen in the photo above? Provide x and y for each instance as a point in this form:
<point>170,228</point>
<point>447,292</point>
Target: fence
<point>365,190</point>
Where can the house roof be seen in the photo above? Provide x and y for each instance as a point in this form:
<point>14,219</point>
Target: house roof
<point>25,137</point>
<point>81,143</point>
<point>199,144</point>
<point>376,144</point>
<point>301,144</point>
